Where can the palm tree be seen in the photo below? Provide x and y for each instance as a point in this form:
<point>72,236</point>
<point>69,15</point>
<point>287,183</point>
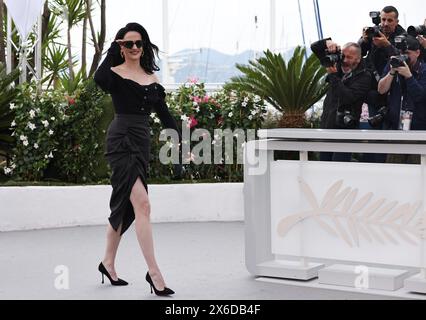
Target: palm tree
<point>98,39</point>
<point>7,94</point>
<point>291,88</point>
<point>74,12</point>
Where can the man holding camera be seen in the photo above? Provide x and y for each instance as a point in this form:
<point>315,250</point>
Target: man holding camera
<point>349,82</point>
<point>419,32</point>
<point>378,44</point>
<point>405,82</point>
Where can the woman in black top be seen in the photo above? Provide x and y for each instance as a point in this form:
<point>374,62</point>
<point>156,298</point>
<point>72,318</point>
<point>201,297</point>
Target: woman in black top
<point>127,73</point>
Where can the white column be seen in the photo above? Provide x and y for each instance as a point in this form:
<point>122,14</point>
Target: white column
<point>165,63</point>
<point>38,50</point>
<point>272,25</point>
<point>9,44</point>
<point>23,61</point>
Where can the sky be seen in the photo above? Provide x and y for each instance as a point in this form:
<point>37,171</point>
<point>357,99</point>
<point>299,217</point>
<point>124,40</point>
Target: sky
<point>229,25</point>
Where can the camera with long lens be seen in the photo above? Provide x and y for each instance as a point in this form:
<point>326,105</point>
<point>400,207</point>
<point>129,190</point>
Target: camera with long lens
<point>415,31</point>
<point>331,59</point>
<point>377,120</point>
<point>374,31</point>
<point>345,119</point>
<point>402,46</point>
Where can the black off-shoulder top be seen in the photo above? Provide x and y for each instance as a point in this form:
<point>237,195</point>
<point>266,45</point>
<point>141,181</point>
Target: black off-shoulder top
<point>130,97</point>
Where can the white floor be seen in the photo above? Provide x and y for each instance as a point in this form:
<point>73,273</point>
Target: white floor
<point>200,261</point>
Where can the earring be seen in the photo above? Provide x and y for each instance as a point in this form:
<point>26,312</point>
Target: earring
<point>121,52</point>
<point>143,52</point>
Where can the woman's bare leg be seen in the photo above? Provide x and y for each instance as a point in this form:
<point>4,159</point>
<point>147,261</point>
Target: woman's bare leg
<point>113,240</point>
<point>141,207</point>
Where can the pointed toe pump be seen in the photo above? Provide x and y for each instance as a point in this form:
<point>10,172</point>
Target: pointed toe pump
<point>103,271</point>
<point>165,292</point>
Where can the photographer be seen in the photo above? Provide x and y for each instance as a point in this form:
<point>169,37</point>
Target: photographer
<point>405,82</point>
<point>349,82</point>
<point>419,32</point>
<point>379,47</point>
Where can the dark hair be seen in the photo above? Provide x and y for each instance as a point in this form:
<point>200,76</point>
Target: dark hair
<point>150,50</point>
<point>390,9</point>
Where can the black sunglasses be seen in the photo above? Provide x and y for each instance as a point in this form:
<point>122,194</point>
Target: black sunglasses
<point>129,44</point>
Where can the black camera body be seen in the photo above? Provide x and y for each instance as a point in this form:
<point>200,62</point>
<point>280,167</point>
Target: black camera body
<point>377,120</point>
<point>398,61</point>
<point>375,30</point>
<point>401,43</point>
<point>345,119</point>
<point>416,31</point>
<point>331,59</point>
<point>402,46</point>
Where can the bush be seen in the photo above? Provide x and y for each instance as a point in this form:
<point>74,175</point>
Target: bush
<point>62,138</point>
<point>37,118</point>
<point>194,108</point>
<point>56,136</point>
<point>80,148</point>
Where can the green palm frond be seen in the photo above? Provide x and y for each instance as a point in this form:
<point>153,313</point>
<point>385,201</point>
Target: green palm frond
<point>292,86</point>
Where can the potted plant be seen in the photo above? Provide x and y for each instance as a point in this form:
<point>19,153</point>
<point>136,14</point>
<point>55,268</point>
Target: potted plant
<point>291,87</point>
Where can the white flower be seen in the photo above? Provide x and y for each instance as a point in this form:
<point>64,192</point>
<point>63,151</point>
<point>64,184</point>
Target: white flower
<point>12,106</point>
<point>50,155</point>
<point>37,110</point>
<point>50,132</point>
<point>32,114</point>
<point>257,99</point>
<point>230,114</point>
<point>246,99</point>
<point>13,134</point>
<point>53,118</point>
<point>45,123</point>
<point>7,171</point>
<point>184,117</point>
<point>23,138</point>
<point>13,166</point>
<point>25,143</point>
<point>197,109</point>
<point>45,156</point>
<point>13,124</point>
<point>250,117</point>
<point>244,104</point>
<point>254,112</point>
<point>31,126</point>
<point>35,146</point>
<point>195,103</point>
<point>156,120</point>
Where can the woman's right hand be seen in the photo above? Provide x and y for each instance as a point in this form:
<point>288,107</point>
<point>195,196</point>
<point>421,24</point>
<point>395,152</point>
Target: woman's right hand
<point>115,48</point>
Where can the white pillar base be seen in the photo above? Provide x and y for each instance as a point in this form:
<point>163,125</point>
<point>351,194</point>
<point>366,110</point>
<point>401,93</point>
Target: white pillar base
<point>289,269</point>
<point>363,278</point>
<point>416,284</point>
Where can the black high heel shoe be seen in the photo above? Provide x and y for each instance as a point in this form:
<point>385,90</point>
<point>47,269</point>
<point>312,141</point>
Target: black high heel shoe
<point>165,292</point>
<point>104,271</point>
